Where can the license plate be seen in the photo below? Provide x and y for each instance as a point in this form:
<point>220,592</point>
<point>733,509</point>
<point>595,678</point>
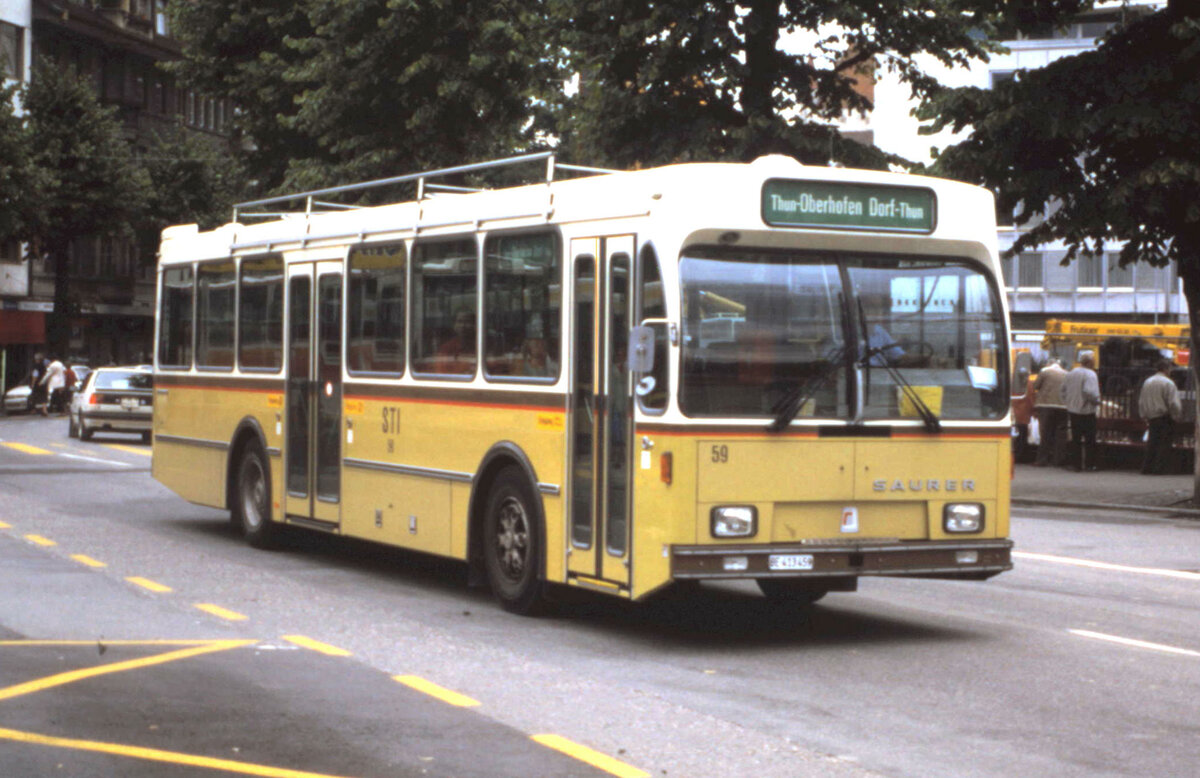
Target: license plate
<point>129,403</point>
<point>790,562</point>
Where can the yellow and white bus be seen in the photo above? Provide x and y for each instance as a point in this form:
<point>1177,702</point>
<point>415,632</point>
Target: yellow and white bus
<point>613,380</point>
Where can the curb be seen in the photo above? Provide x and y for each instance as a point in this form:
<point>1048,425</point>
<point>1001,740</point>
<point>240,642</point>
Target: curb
<point>1191,513</point>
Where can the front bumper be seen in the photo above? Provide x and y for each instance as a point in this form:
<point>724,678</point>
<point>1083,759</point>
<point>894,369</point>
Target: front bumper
<point>927,558</point>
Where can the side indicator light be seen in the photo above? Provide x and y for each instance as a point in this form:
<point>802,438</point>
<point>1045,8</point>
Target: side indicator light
<point>665,467</point>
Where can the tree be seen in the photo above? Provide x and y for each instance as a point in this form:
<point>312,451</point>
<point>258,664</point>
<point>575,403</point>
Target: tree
<point>192,180</point>
<point>331,91</point>
<point>238,49</point>
<point>677,80</point>
<point>89,182</point>
<point>1097,148</point>
<point>18,175</point>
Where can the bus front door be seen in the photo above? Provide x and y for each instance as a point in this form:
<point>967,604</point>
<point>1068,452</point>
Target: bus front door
<point>601,413</point>
<point>313,402</point>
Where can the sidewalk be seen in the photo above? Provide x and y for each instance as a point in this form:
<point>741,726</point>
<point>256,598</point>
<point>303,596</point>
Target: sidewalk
<point>1159,494</point>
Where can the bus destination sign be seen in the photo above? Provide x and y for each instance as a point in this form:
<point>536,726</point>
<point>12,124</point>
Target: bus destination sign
<point>789,203</point>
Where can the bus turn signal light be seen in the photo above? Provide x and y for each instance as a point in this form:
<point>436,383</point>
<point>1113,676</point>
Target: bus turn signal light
<point>665,467</point>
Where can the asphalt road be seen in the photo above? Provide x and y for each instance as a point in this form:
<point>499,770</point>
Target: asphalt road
<point>1084,661</point>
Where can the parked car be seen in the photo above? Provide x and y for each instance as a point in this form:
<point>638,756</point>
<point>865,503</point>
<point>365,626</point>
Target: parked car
<point>18,399</point>
<point>113,399</point>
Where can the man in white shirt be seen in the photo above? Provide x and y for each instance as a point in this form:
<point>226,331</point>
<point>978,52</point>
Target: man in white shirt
<point>1158,404</point>
<point>55,382</point>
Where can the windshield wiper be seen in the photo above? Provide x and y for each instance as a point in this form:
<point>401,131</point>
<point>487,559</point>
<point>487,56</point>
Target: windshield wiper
<point>791,403</point>
<point>923,410</point>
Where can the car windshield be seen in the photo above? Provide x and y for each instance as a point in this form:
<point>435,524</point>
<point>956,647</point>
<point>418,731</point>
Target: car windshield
<point>765,328</point>
<point>119,379</point>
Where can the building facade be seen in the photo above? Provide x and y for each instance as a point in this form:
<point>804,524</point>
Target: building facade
<point>117,45</point>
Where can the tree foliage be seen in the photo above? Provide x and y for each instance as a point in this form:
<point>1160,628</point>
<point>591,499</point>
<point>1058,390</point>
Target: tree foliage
<point>18,175</point>
<point>1096,148</point>
<point>338,90</point>
<point>674,80</point>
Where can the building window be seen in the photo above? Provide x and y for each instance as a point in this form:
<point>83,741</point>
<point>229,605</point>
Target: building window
<point>10,252</point>
<point>1119,277</point>
<point>1029,269</point>
<point>12,51</point>
<point>1090,271</point>
<point>1006,268</point>
<point>998,77</point>
<point>161,25</point>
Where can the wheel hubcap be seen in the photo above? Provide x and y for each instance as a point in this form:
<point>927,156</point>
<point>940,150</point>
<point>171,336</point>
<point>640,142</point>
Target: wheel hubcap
<point>512,539</point>
<point>254,494</point>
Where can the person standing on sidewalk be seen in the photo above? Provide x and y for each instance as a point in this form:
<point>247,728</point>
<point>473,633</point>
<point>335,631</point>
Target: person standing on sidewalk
<point>1051,413</point>
<point>1081,395</point>
<point>1158,404</point>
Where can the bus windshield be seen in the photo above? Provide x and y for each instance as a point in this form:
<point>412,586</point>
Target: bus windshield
<point>761,326</point>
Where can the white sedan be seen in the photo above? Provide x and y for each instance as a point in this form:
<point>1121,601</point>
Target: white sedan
<point>113,399</point>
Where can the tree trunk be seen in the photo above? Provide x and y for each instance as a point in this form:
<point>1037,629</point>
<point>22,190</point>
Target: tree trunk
<point>1189,274</point>
<point>58,325</point>
<point>758,103</point>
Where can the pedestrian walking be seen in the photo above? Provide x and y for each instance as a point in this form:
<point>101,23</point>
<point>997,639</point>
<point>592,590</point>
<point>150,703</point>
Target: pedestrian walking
<point>1081,396</point>
<point>37,386</point>
<point>1158,404</point>
<point>1051,414</point>
<point>55,382</point>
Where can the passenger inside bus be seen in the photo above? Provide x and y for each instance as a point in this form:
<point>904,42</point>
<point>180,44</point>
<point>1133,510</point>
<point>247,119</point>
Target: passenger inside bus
<point>535,360</point>
<point>456,354</point>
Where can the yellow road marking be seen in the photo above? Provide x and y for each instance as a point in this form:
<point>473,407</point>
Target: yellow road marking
<point>5,526</point>
<point>156,755</point>
<point>146,583</point>
<point>41,541</point>
<point>93,643</point>
<point>129,449</point>
<point>84,559</point>
<point>25,448</point>
<point>316,645</point>
<point>223,613</point>
<point>71,676</point>
<point>433,690</point>
<point>594,758</point>
<point>1066,560</point>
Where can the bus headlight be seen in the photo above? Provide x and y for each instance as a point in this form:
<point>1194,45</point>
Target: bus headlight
<point>734,521</point>
<point>960,517</point>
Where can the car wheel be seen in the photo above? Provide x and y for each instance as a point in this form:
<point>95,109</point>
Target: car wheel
<point>512,544</point>
<point>252,498</point>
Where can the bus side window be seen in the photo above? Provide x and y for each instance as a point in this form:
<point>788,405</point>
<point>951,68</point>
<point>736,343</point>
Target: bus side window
<point>651,305</point>
<point>522,307</point>
<point>175,319</point>
<point>445,292</point>
<point>376,314</point>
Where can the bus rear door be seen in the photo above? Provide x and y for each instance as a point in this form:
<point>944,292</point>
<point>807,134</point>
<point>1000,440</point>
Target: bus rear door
<point>601,412</point>
<point>313,402</point>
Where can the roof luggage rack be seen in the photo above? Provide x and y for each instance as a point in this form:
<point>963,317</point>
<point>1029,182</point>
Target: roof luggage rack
<point>423,182</point>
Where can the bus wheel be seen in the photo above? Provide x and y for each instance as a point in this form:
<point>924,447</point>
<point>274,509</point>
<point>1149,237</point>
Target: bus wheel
<point>512,545</point>
<point>791,591</point>
<point>252,498</point>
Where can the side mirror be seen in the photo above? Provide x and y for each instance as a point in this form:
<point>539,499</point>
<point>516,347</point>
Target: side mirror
<point>641,349</point>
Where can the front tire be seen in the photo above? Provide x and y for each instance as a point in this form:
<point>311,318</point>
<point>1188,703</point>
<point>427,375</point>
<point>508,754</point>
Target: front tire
<point>513,544</point>
<point>252,498</point>
<point>790,591</point>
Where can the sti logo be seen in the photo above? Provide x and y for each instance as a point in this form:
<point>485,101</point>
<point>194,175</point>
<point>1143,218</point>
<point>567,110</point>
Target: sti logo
<point>849,520</point>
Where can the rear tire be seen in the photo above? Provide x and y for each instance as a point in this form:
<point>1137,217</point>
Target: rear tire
<point>791,591</point>
<point>512,544</point>
<point>251,508</point>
